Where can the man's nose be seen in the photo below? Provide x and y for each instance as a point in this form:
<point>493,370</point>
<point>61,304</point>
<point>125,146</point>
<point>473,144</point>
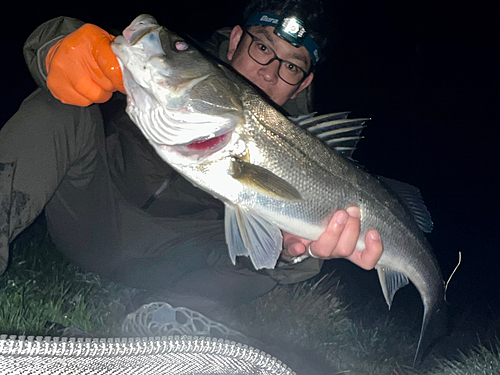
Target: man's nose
<point>270,72</point>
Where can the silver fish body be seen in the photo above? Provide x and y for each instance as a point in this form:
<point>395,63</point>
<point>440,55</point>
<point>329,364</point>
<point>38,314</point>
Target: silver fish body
<point>218,132</point>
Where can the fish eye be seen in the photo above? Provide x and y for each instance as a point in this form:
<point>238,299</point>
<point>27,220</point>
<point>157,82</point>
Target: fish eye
<point>181,46</point>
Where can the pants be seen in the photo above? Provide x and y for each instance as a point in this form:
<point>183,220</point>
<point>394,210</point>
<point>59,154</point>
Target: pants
<point>54,156</point>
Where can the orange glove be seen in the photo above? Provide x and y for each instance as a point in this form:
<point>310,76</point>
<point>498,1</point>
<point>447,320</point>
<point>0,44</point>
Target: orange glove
<point>82,69</point>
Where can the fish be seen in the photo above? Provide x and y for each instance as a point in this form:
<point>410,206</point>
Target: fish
<point>219,132</point>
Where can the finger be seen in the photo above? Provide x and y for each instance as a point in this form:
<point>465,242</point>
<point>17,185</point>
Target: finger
<point>349,236</point>
<point>66,93</point>
<point>327,242</point>
<point>293,245</point>
<point>297,249</point>
<point>110,66</point>
<point>368,258</point>
<point>102,80</point>
<point>93,91</point>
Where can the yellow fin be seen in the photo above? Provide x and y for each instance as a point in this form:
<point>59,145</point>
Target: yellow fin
<point>261,179</point>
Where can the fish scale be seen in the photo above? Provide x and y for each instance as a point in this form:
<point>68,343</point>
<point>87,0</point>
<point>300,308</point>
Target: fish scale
<point>293,157</point>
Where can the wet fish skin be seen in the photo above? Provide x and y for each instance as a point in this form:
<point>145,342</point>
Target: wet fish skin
<point>218,132</point>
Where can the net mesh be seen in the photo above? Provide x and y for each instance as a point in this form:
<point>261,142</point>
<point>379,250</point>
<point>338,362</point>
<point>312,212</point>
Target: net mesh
<point>159,355</point>
<point>161,319</point>
<point>171,343</point>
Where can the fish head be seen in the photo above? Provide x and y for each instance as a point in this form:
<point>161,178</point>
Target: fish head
<point>175,94</point>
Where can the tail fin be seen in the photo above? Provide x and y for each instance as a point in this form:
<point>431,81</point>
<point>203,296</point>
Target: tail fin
<point>433,326</point>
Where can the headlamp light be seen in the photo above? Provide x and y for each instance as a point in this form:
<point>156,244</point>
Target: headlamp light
<point>292,30</point>
<point>289,28</point>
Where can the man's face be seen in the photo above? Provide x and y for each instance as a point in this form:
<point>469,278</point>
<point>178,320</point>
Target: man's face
<point>266,76</point>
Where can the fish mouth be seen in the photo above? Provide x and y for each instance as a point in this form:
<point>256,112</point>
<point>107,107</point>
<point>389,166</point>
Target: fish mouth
<point>210,143</point>
<point>199,149</point>
<point>141,26</point>
<point>206,145</point>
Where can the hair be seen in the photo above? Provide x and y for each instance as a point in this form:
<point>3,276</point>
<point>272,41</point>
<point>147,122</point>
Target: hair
<point>311,12</point>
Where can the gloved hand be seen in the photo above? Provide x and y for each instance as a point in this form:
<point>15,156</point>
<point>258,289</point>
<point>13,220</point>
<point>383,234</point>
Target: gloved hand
<point>82,69</point>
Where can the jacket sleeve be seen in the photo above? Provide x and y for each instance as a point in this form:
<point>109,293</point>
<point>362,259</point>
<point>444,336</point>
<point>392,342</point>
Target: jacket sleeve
<point>41,40</point>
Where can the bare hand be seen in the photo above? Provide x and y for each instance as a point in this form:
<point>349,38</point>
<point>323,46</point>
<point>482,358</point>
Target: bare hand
<point>339,241</point>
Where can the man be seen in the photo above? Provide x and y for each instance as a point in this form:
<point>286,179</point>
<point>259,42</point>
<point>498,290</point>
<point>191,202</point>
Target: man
<point>113,206</point>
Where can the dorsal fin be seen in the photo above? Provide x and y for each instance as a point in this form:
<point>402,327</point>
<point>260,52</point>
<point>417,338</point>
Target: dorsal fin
<point>336,131</point>
<point>311,120</point>
<point>413,199</point>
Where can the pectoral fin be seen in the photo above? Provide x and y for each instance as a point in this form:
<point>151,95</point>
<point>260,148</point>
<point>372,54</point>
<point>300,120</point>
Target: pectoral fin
<point>261,179</point>
<point>248,234</point>
<point>391,281</point>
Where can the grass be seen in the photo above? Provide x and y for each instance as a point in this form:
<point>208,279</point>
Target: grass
<point>307,325</point>
<point>309,320</point>
<point>483,360</point>
<point>42,293</point>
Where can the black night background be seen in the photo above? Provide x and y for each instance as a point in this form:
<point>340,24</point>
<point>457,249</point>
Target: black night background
<point>426,73</point>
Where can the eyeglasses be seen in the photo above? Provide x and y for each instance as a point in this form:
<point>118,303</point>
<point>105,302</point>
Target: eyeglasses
<point>262,54</point>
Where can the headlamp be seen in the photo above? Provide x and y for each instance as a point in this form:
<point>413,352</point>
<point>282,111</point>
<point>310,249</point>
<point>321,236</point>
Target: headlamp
<point>289,28</point>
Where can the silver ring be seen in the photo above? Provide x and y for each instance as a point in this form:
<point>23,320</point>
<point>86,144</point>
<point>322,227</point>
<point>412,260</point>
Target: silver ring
<point>310,253</point>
